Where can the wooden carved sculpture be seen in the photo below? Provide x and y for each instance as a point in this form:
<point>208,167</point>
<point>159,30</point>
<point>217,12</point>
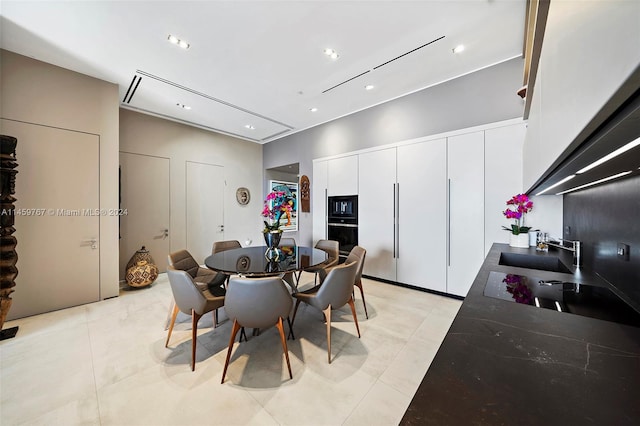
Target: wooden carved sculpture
<point>8,255</point>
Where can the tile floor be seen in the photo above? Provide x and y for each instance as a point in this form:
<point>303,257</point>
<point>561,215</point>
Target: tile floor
<point>105,364</point>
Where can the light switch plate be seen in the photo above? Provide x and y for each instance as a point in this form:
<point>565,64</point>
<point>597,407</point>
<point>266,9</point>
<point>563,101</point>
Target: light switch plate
<point>623,251</point>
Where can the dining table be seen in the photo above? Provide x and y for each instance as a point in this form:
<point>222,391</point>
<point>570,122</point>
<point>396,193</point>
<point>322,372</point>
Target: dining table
<point>259,261</point>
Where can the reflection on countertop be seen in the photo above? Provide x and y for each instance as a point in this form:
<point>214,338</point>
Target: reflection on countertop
<point>513,363</point>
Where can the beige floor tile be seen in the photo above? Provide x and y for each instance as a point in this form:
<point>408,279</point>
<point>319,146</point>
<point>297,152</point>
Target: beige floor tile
<point>382,405</point>
<point>108,364</point>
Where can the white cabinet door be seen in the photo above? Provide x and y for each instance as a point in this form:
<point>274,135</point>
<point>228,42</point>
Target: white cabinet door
<point>342,178</point>
<point>376,224</point>
<point>422,220</point>
<point>465,159</point>
<point>319,200</point>
<point>502,178</point>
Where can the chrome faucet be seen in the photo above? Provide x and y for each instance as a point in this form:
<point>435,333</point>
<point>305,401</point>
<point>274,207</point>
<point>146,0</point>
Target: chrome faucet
<point>576,248</point>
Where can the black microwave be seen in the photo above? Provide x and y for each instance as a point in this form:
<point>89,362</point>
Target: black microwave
<point>342,209</point>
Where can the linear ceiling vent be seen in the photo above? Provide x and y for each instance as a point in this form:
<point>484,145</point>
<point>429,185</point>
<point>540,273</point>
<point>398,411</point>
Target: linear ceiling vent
<point>134,85</point>
<point>384,63</point>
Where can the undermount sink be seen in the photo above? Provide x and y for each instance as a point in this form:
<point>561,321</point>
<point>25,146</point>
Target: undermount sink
<point>544,263</point>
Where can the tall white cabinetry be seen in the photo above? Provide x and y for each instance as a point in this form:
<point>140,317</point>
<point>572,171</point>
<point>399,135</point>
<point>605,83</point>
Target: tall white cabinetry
<point>428,210</point>
<point>377,212</point>
<point>465,164</point>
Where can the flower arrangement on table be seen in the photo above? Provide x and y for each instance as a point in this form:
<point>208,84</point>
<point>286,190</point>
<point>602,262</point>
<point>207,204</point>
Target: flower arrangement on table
<point>517,207</point>
<point>517,286</point>
<point>276,204</point>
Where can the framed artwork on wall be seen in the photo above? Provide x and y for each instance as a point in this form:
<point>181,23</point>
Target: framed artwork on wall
<point>288,221</point>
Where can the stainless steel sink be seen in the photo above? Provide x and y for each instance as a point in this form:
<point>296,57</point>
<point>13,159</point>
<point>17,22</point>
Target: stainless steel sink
<point>544,263</point>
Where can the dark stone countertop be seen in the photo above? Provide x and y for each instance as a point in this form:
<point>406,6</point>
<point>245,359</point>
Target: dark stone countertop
<point>503,363</point>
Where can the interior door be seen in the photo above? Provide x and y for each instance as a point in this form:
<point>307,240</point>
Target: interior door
<point>205,206</point>
<point>144,195</point>
<point>57,191</point>
<point>376,212</point>
<point>422,219</point>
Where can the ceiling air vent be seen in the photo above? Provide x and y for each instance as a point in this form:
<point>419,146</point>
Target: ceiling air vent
<point>134,84</point>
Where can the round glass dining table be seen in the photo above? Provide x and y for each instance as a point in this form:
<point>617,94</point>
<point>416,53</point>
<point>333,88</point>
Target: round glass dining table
<point>252,261</point>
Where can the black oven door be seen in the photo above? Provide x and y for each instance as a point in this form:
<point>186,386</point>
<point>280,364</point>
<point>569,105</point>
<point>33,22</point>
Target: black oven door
<point>345,234</point>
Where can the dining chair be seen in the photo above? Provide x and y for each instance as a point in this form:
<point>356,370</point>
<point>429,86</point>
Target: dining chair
<point>220,246</point>
<point>257,303</point>
<point>204,278</point>
<point>191,300</point>
<point>334,293</point>
<point>332,248</point>
<point>290,278</point>
<point>357,254</point>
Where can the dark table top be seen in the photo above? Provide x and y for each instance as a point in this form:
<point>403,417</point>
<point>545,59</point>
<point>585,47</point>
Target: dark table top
<point>251,261</point>
<point>505,363</point>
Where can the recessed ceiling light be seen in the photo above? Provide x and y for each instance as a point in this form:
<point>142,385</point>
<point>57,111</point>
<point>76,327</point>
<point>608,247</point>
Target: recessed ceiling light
<point>175,40</point>
<point>331,53</point>
<point>183,106</point>
<point>250,127</point>
<point>459,48</point>
<point>369,87</point>
<point>314,109</point>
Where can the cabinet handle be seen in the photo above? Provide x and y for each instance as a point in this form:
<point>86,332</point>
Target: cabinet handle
<point>394,221</point>
<point>398,220</point>
<point>448,222</point>
<point>326,213</point>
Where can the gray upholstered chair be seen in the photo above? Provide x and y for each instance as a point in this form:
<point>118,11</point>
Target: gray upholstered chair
<point>220,246</point>
<point>191,300</point>
<point>332,248</point>
<point>204,278</point>
<point>257,303</point>
<point>357,254</point>
<point>290,278</point>
<point>334,293</point>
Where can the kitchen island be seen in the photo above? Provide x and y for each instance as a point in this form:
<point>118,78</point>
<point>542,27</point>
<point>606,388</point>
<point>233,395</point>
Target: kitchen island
<point>509,363</point>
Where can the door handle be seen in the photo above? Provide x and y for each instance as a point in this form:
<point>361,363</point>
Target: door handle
<point>165,234</point>
<point>221,228</point>
<point>93,243</point>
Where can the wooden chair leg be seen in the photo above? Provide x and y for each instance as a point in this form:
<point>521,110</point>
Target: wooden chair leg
<point>353,311</point>
<point>290,330</point>
<point>363,301</point>
<point>295,310</point>
<point>215,318</point>
<point>171,306</point>
<point>195,317</point>
<point>174,314</point>
<point>327,315</point>
<point>234,330</point>
<point>284,344</point>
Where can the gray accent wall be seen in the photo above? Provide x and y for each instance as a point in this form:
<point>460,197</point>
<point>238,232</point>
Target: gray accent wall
<point>485,96</point>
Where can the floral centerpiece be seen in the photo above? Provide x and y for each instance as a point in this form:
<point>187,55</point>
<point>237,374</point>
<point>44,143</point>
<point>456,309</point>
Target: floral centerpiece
<point>517,207</point>
<point>276,204</point>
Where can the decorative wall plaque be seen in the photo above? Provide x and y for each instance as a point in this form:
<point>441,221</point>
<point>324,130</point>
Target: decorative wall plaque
<point>305,194</point>
<point>243,196</point>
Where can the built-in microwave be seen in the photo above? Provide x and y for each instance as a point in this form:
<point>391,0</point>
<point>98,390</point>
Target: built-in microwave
<point>342,209</point>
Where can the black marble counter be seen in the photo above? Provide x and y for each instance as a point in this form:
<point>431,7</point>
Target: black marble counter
<point>504,363</point>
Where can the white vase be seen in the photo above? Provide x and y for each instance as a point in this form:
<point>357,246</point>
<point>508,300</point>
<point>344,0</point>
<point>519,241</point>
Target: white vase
<point>520,240</point>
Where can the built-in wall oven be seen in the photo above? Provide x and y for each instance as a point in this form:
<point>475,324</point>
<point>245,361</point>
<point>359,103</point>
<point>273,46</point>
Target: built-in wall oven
<point>342,221</point>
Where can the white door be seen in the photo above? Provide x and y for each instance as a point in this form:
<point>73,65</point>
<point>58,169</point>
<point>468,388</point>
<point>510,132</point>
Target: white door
<point>376,212</point>
<point>319,200</point>
<point>422,220</point>
<point>57,191</point>
<point>466,210</point>
<point>205,206</point>
<point>144,195</point>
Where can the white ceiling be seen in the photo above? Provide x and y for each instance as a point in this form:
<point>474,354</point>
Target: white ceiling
<point>262,62</point>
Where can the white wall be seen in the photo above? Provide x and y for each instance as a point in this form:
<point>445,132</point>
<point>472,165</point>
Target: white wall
<point>40,93</point>
<point>242,162</point>
<point>589,49</point>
